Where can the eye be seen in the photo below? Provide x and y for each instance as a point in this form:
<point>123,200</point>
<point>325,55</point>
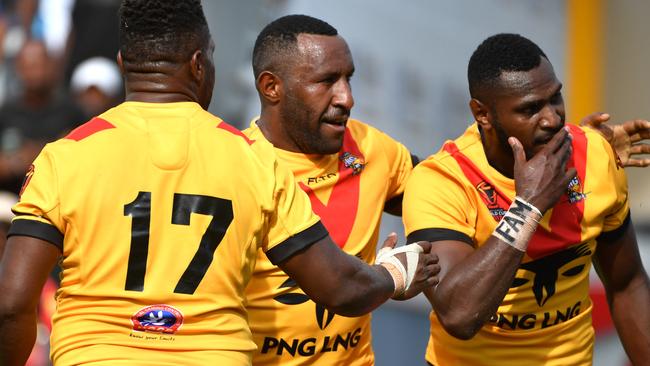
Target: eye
<point>573,271</point>
<point>556,98</point>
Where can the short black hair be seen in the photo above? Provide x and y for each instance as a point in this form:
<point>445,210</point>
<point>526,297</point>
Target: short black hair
<point>499,53</point>
<point>161,30</point>
<point>279,38</point>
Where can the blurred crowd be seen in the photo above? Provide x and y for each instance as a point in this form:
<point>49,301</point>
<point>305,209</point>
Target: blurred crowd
<point>57,71</point>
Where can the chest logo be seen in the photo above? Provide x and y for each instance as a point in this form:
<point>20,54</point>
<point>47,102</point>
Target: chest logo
<point>323,316</point>
<point>549,269</point>
<point>352,162</point>
<point>574,191</point>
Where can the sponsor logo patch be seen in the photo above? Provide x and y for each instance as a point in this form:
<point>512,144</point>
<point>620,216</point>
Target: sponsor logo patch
<point>158,318</point>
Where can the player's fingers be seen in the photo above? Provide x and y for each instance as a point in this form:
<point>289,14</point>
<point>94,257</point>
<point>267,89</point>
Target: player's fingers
<point>426,246</point>
<point>640,149</point>
<point>517,151</point>
<point>390,242</point>
<point>568,176</point>
<point>561,139</point>
<point>634,126</point>
<point>595,119</point>
<point>429,258</point>
<point>637,163</point>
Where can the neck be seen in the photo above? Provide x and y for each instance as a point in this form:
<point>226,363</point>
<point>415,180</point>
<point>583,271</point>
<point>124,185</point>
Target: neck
<point>271,126</point>
<point>166,83</point>
<point>502,161</point>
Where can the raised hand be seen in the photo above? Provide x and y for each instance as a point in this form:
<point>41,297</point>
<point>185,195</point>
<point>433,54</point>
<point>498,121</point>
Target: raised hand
<point>543,179</point>
<point>413,267</point>
<point>625,138</point>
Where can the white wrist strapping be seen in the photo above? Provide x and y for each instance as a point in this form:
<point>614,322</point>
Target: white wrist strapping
<point>518,224</point>
<point>402,277</point>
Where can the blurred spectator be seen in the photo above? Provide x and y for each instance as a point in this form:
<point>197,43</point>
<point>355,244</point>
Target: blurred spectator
<point>96,85</point>
<point>94,31</point>
<point>16,18</point>
<point>36,116</point>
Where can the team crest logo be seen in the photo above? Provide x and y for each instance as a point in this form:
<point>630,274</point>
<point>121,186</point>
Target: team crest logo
<point>352,162</point>
<point>489,196</point>
<point>574,191</point>
<point>157,318</point>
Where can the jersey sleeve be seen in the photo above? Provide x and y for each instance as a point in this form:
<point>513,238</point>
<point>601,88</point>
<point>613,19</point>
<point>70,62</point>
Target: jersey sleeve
<point>38,212</point>
<point>436,206</point>
<point>620,209</point>
<point>293,224</point>
<point>400,163</point>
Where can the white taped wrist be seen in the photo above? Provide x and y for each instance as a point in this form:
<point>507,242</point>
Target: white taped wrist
<point>402,276</point>
<point>518,224</point>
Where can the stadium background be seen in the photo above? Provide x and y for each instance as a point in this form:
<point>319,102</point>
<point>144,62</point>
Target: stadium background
<point>410,81</point>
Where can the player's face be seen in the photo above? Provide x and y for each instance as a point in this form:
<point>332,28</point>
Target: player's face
<point>207,85</point>
<point>317,97</point>
<point>529,106</point>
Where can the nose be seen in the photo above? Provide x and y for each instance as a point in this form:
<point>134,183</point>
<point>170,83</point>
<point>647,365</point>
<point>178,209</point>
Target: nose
<point>343,95</point>
<point>551,118</point>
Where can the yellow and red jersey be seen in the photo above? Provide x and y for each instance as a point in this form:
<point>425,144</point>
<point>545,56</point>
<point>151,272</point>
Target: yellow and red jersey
<point>159,211</point>
<point>545,318</point>
<point>348,190</point>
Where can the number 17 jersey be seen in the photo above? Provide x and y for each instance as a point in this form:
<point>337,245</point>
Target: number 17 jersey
<point>159,210</point>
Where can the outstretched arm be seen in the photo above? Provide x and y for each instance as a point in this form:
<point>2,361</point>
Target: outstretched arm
<point>618,264</point>
<point>626,139</point>
<point>346,285</point>
<point>25,265</point>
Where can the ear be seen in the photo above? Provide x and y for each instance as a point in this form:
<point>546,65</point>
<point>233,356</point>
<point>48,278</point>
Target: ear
<point>481,113</point>
<point>120,63</point>
<point>269,86</point>
<point>196,65</point>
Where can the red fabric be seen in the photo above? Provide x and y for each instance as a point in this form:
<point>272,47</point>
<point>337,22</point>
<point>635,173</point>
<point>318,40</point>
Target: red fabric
<point>339,212</point>
<point>565,229</point>
<point>89,128</point>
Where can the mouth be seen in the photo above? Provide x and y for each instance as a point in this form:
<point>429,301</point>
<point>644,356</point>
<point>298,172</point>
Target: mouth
<point>337,125</point>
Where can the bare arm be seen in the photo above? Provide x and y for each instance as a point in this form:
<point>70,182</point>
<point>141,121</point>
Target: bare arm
<point>24,268</point>
<point>618,264</point>
<point>346,285</point>
<point>474,282</point>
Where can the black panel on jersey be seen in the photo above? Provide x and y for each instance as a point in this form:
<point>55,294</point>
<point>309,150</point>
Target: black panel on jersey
<point>38,230</point>
<point>610,236</point>
<point>438,235</point>
<point>294,244</point>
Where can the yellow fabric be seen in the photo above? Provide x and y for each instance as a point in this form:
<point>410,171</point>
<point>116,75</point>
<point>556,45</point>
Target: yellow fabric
<point>300,334</point>
<point>545,325</point>
<point>87,189</point>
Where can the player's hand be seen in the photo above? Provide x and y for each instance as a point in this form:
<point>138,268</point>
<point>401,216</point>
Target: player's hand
<point>624,138</point>
<point>543,179</point>
<point>413,267</point>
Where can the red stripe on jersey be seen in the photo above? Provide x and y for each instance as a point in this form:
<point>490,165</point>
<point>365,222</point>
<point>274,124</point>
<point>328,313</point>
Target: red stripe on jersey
<point>233,130</point>
<point>340,211</point>
<point>491,196</point>
<point>89,128</point>
<point>565,222</point>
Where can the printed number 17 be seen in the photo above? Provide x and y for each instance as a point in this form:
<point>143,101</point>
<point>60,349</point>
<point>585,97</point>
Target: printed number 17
<point>184,205</point>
